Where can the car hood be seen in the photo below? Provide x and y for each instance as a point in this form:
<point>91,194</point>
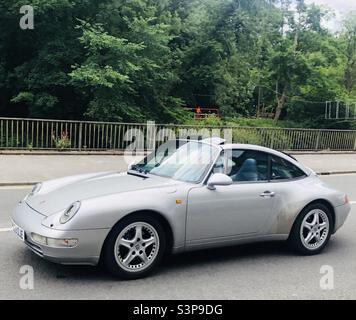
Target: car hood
<point>56,195</point>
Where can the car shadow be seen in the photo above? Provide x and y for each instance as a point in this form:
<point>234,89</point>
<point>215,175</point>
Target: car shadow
<point>228,254</point>
<point>172,263</point>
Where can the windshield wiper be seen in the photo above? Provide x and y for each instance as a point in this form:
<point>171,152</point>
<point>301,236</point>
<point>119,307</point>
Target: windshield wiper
<point>138,172</point>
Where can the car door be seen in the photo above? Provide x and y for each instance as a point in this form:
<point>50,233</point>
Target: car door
<point>285,182</point>
<point>234,211</point>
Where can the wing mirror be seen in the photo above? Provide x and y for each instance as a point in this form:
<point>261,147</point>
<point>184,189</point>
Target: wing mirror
<point>219,179</point>
<point>129,167</point>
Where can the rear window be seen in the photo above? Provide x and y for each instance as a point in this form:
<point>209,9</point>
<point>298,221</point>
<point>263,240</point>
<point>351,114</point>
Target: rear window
<point>282,169</point>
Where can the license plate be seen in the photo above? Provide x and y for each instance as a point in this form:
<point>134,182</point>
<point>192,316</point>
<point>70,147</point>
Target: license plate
<point>19,232</point>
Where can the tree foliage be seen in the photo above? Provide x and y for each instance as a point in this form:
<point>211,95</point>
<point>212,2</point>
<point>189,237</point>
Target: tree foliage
<point>119,60</point>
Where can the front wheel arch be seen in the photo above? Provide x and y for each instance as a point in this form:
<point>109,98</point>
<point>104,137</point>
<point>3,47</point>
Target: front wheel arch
<point>154,214</point>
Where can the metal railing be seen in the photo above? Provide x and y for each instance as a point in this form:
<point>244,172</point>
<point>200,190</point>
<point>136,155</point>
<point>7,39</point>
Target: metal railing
<point>40,134</point>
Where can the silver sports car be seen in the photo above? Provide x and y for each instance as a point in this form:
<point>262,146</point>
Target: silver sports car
<point>187,195</point>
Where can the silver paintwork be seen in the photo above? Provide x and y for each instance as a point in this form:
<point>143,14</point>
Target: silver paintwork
<point>201,218</point>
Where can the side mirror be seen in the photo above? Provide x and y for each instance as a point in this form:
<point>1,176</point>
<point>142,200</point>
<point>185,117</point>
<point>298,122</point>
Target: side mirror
<point>219,179</point>
<point>129,167</point>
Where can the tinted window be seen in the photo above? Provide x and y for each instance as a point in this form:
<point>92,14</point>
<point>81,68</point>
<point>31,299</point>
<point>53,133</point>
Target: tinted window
<point>247,165</point>
<point>283,169</point>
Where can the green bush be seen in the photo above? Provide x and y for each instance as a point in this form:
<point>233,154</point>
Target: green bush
<point>242,135</point>
<point>245,122</point>
<point>277,139</point>
<point>63,142</point>
<point>12,142</point>
<point>209,121</point>
<point>246,130</point>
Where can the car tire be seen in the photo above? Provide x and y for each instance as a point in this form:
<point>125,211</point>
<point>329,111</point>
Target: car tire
<point>312,229</point>
<point>125,243</point>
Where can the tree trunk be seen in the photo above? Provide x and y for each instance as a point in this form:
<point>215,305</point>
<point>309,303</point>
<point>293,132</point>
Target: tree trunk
<point>280,104</point>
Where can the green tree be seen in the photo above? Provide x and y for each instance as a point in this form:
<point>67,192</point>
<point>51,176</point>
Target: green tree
<point>144,59</point>
<point>129,71</point>
<point>349,41</point>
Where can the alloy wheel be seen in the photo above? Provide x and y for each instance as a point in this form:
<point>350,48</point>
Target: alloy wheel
<point>314,229</point>
<point>136,247</point>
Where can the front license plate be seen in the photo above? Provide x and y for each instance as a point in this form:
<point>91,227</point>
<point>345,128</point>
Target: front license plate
<point>19,232</point>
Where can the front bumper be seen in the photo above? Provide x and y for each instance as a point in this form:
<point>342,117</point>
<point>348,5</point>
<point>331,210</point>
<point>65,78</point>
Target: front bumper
<point>87,251</point>
<point>341,214</point>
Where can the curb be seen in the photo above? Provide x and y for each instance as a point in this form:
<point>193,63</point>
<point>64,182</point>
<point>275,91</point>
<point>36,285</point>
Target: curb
<point>24,184</point>
<point>329,173</point>
<point>17,184</point>
<point>318,153</point>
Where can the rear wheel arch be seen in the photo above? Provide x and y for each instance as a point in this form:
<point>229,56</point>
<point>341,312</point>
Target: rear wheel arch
<point>324,202</point>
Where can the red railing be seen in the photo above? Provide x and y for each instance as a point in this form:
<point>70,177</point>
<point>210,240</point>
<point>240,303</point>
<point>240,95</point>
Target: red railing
<point>203,113</point>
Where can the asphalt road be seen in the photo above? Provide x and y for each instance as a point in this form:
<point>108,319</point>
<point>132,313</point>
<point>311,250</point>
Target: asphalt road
<point>258,271</point>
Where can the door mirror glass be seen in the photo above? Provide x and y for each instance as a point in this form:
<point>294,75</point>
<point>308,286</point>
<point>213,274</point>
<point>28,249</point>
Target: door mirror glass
<point>219,179</point>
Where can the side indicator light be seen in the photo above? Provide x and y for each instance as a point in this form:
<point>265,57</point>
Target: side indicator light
<point>347,200</point>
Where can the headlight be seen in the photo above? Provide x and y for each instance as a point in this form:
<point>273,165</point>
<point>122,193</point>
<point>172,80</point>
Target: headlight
<point>70,212</point>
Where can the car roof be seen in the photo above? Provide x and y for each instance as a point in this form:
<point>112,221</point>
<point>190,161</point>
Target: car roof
<point>220,143</point>
<point>251,147</point>
<point>282,155</point>
<point>242,146</point>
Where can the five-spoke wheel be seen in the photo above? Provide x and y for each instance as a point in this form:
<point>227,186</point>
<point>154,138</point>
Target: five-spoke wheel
<point>312,229</point>
<point>134,247</point>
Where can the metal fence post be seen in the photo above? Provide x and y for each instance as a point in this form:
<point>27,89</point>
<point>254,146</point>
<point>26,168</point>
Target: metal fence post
<point>80,136</point>
<point>317,141</point>
<point>150,136</point>
<point>272,139</point>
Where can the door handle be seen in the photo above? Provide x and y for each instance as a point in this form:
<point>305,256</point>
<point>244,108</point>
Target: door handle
<point>267,194</point>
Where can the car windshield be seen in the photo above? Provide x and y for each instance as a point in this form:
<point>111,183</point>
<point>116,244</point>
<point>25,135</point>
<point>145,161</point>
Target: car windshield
<point>179,160</point>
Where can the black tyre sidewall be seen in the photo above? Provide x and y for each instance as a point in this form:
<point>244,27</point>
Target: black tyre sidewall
<point>108,251</point>
<point>294,239</point>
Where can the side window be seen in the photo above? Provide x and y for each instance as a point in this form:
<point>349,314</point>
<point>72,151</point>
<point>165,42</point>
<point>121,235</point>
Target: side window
<point>219,166</point>
<point>247,165</point>
<point>282,169</point>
